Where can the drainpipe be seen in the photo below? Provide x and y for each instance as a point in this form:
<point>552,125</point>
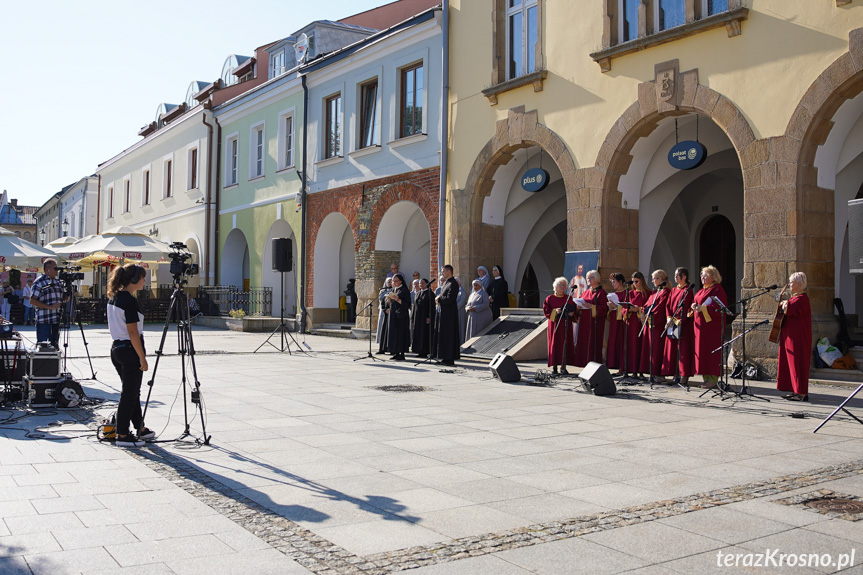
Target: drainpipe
<point>303,204</point>
<point>444,164</point>
<point>98,202</point>
<point>209,194</point>
<point>218,199</point>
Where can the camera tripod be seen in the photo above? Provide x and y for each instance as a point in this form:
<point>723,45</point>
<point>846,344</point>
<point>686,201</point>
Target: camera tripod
<point>185,346</point>
<point>70,315</point>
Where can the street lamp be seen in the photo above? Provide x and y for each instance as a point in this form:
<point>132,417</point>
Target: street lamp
<point>65,226</point>
<point>42,236</point>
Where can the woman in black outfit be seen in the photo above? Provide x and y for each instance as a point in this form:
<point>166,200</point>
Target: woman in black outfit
<point>126,324</point>
<point>423,319</point>
<point>498,292</point>
<point>399,328</point>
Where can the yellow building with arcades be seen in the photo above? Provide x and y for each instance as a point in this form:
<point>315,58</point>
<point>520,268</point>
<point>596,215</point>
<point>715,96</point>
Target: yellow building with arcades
<point>597,92</point>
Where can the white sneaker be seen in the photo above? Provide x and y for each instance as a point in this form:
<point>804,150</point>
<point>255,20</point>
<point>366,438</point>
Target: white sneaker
<point>129,441</point>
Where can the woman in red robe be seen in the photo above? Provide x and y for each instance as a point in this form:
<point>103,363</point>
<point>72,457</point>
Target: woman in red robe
<point>616,314</point>
<point>591,322</point>
<point>679,306</point>
<point>638,297</point>
<point>653,344</point>
<point>795,342</point>
<point>559,336</point>
<point>708,326</point>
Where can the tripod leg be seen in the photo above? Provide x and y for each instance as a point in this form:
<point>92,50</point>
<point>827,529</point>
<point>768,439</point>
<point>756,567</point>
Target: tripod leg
<point>86,348</point>
<point>159,352</point>
<point>841,407</point>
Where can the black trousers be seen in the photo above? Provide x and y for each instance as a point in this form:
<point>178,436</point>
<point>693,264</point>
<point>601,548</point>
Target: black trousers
<point>128,366</point>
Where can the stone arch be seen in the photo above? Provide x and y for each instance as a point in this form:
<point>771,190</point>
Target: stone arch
<point>519,130</point>
<point>405,192</point>
<point>319,206</point>
<point>597,205</point>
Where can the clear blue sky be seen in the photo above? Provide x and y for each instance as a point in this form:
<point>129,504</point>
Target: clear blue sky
<point>82,77</point>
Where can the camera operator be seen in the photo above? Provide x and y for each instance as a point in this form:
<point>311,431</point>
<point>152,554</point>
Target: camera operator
<point>48,297</point>
<point>126,323</point>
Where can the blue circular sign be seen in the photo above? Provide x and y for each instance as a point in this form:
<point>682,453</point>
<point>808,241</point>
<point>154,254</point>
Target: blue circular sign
<point>534,180</point>
<point>687,155</point>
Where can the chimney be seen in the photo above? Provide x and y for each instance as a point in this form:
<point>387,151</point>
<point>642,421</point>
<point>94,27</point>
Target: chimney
<point>14,202</point>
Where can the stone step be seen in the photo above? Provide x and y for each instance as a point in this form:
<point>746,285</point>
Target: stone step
<point>346,326</point>
<point>343,333</point>
<point>843,377</point>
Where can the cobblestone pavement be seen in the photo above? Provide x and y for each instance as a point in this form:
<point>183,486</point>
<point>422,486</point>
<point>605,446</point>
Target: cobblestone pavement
<point>318,463</point>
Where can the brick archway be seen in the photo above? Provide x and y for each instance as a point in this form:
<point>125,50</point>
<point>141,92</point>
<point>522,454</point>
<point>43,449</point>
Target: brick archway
<point>405,192</point>
<point>472,241</point>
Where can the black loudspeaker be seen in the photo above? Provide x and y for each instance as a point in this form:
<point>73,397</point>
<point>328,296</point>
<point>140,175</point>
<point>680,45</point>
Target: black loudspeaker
<point>504,368</point>
<point>597,380</point>
<point>855,236</point>
<point>283,257</point>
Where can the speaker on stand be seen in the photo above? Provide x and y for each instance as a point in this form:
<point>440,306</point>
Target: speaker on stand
<point>283,262</point>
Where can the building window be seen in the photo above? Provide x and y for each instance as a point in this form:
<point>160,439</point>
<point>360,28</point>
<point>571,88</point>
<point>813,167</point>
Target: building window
<point>256,152</point>
<point>286,140</point>
<point>192,176</point>
<point>629,19</point>
<point>231,160</point>
<point>277,64</point>
<point>127,195</point>
<point>167,185</point>
<point>522,33</point>
<point>333,106</point>
<point>411,111</point>
<point>110,201</point>
<point>670,13</point>
<point>369,114</point>
<point>145,188</point>
<point>712,7</point>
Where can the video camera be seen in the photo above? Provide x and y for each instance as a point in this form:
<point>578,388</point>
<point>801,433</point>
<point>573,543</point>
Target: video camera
<point>70,274</point>
<point>179,257</point>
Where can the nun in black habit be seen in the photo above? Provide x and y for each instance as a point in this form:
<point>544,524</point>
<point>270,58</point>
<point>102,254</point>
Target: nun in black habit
<point>424,313</point>
<point>399,327</point>
<point>448,338</point>
<point>498,292</point>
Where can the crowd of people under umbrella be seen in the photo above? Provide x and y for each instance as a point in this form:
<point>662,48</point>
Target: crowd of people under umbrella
<point>434,317</point>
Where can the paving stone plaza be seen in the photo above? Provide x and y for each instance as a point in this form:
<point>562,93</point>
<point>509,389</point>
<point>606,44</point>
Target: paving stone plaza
<point>317,465</point>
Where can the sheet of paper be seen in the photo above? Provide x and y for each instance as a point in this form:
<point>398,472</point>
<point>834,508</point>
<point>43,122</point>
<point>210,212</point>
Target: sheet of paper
<point>612,297</point>
<point>581,303</point>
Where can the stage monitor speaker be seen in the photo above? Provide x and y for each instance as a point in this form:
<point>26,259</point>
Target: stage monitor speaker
<point>855,236</point>
<point>597,380</point>
<point>283,257</point>
<point>504,368</point>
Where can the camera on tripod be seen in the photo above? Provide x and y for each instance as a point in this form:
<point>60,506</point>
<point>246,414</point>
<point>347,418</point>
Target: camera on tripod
<point>179,258</point>
<point>70,274</point>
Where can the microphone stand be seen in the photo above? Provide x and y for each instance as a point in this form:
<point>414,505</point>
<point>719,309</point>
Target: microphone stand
<point>680,307</point>
<point>369,356</point>
<point>744,389</point>
<point>625,305</point>
<point>649,320</point>
<point>561,314</point>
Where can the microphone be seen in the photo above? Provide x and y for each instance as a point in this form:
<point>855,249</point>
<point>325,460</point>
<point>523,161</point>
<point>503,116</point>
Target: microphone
<point>629,283</point>
<point>662,285</point>
<point>774,286</point>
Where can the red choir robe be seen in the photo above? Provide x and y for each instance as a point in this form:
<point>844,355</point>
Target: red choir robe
<point>687,335</point>
<point>588,347</point>
<point>556,335</point>
<point>614,355</point>
<point>633,342</point>
<point>795,346</point>
<point>708,334</point>
<point>653,342</point>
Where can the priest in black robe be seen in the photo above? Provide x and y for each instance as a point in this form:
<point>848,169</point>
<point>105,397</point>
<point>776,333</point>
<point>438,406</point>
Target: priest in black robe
<point>448,340</point>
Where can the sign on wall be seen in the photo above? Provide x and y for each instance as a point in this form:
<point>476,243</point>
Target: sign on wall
<point>687,155</point>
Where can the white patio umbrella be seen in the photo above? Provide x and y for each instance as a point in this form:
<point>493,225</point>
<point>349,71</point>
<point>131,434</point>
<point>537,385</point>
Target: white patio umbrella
<point>19,253</point>
<point>60,242</point>
<point>115,246</point>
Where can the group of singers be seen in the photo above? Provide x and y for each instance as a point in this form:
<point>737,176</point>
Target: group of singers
<point>657,331</point>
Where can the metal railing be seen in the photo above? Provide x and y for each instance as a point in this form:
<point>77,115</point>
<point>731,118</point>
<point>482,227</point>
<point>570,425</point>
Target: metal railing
<point>224,298</point>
